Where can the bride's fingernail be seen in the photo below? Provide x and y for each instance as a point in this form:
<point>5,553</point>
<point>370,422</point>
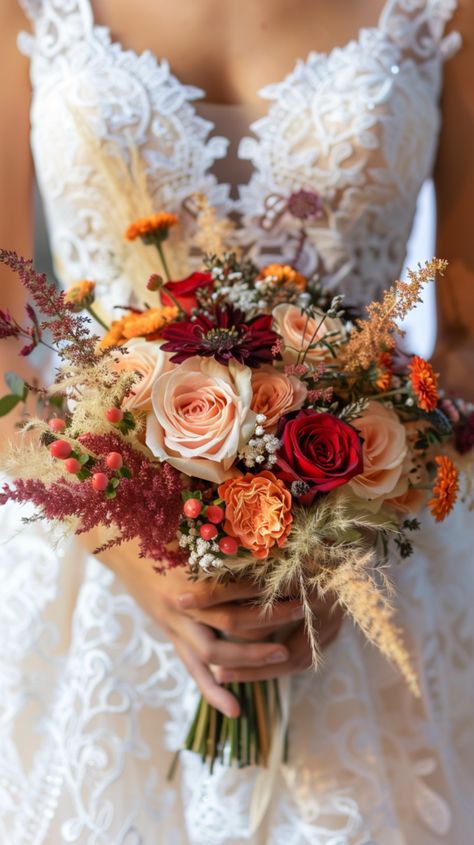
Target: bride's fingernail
<point>298,613</point>
<point>186,601</point>
<point>277,657</point>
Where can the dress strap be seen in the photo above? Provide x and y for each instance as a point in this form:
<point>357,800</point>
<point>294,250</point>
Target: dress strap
<point>418,27</point>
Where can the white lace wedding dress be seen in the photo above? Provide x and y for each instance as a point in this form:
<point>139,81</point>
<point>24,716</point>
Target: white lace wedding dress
<point>94,702</point>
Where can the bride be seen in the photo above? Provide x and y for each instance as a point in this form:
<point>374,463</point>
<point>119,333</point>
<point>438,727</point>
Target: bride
<point>101,660</point>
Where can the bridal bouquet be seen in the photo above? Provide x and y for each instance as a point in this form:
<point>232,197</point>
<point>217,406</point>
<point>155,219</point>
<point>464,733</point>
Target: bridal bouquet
<point>245,424</point>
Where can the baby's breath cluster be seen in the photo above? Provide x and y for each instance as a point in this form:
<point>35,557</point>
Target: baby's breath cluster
<point>261,449</point>
<point>202,554</point>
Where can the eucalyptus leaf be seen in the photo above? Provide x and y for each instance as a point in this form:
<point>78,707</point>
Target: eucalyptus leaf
<point>7,403</point>
<point>16,385</point>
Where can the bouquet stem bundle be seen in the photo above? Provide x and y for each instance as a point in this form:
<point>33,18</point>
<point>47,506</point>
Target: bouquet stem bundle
<point>246,740</point>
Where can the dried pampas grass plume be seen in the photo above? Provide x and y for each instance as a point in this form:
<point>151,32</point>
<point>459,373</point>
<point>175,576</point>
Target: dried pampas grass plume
<point>213,234</point>
<point>122,196</point>
<point>331,551</point>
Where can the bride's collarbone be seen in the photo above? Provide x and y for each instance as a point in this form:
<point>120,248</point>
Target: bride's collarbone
<point>232,48</point>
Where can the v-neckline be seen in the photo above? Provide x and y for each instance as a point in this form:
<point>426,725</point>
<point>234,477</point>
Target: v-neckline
<point>104,30</point>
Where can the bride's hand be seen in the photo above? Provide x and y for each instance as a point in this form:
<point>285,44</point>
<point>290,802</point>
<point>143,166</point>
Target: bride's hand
<point>188,612</point>
<point>285,621</point>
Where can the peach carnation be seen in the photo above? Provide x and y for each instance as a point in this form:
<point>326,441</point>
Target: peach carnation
<point>147,360</point>
<point>276,394</point>
<point>257,511</point>
<point>298,331</point>
<point>384,454</point>
<point>201,417</point>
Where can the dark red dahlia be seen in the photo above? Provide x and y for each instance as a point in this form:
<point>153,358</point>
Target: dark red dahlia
<point>224,335</point>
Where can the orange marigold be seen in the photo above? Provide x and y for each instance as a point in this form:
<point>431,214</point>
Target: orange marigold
<point>424,383</point>
<point>138,324</point>
<point>114,336</point>
<point>148,322</point>
<point>81,295</point>
<point>154,225</point>
<point>257,511</point>
<point>384,372</point>
<point>283,274</point>
<point>445,488</point>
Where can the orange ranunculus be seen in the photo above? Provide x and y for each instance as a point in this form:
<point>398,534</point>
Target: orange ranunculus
<point>257,511</point>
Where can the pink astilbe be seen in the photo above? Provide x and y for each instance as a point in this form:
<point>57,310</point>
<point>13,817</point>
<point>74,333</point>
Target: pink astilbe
<point>70,332</point>
<point>147,507</point>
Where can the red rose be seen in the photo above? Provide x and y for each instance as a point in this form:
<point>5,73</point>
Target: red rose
<point>184,291</point>
<point>320,451</point>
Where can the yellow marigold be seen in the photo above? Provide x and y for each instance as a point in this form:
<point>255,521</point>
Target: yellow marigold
<point>445,488</point>
<point>148,322</point>
<point>81,294</point>
<point>284,275</point>
<point>424,383</point>
<point>156,225</point>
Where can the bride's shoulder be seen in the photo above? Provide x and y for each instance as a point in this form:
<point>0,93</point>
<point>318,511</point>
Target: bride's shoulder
<point>13,19</point>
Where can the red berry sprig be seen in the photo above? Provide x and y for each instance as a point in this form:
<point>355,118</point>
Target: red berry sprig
<point>209,518</point>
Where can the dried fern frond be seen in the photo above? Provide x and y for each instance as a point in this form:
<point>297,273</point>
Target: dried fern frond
<point>377,332</point>
<point>122,197</point>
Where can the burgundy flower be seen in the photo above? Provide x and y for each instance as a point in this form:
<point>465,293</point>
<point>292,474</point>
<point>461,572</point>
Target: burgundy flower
<point>223,336</point>
<point>465,435</point>
<point>184,291</point>
<point>305,204</point>
<point>319,452</point>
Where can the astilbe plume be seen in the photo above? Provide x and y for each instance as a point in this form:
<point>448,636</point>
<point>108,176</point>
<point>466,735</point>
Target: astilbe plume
<point>377,332</point>
<point>147,506</point>
<point>70,332</point>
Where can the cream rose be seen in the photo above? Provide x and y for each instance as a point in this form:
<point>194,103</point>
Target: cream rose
<point>201,417</point>
<point>148,360</point>
<point>276,394</point>
<point>384,453</point>
<point>297,332</point>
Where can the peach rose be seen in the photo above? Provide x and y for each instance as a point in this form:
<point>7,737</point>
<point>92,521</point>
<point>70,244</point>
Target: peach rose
<point>276,394</point>
<point>411,502</point>
<point>257,511</point>
<point>384,453</point>
<point>201,417</point>
<point>149,361</point>
<point>298,331</point>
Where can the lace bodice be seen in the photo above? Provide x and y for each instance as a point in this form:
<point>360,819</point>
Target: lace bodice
<point>346,125</point>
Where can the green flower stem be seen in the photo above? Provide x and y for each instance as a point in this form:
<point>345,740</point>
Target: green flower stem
<point>161,253</point>
<point>90,310</point>
<point>401,391</point>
